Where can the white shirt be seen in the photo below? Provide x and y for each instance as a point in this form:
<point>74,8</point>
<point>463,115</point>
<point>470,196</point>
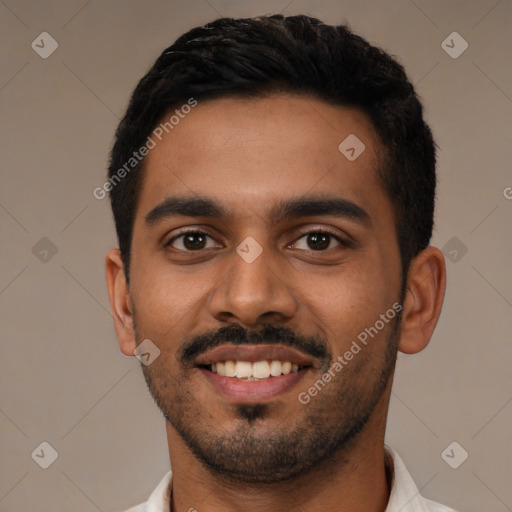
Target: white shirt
<point>404,496</point>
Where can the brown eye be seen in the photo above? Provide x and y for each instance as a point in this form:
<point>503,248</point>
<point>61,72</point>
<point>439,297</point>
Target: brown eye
<point>190,241</point>
<point>317,241</point>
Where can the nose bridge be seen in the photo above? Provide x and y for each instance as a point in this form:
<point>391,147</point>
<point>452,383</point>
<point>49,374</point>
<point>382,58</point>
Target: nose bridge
<point>252,288</point>
<point>252,275</point>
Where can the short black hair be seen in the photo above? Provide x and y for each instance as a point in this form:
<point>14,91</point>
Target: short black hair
<point>258,57</point>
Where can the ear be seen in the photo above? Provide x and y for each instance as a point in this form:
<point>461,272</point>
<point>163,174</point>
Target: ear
<point>120,302</point>
<point>426,282</point>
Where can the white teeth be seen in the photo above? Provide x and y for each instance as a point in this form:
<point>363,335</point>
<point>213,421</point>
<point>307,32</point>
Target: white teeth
<point>243,369</point>
<point>261,370</point>
<point>275,368</point>
<point>287,367</point>
<point>258,370</point>
<point>229,367</point>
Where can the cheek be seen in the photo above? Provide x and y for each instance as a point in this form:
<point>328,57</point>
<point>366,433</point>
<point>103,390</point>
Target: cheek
<point>351,300</point>
<point>164,380</point>
<point>164,300</point>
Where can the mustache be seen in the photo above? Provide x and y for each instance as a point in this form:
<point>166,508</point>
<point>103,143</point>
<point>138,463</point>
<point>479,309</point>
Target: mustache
<point>267,334</point>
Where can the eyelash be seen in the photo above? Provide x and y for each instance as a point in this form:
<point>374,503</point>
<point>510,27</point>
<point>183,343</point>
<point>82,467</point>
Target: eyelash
<point>323,231</point>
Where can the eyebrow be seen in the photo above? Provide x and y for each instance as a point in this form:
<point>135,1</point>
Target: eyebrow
<point>306,206</point>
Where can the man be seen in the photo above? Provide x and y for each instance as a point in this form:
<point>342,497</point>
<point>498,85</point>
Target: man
<point>273,185</point>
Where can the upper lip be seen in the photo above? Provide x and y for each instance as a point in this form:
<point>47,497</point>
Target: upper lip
<point>254,353</point>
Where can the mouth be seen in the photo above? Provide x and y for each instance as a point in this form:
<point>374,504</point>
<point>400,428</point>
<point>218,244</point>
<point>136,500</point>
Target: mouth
<point>253,373</point>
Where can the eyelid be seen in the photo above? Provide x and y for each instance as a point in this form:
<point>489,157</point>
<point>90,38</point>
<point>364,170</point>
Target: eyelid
<point>337,233</point>
<point>342,240</point>
<point>185,231</point>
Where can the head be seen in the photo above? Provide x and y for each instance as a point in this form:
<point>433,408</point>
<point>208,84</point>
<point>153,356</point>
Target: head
<point>253,155</point>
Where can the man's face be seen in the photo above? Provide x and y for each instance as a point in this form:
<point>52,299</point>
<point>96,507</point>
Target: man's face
<point>321,278</point>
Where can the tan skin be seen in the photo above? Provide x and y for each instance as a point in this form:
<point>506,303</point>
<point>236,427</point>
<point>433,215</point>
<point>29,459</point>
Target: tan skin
<point>247,155</point>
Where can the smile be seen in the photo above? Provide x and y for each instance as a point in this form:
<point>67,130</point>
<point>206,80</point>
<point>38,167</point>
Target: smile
<point>253,373</point>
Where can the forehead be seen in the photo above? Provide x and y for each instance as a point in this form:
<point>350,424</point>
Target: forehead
<point>253,152</point>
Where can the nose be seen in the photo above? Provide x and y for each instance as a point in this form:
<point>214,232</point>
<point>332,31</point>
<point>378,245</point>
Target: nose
<point>253,292</point>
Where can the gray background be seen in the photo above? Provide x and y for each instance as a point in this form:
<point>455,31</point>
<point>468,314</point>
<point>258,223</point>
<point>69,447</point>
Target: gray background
<point>63,379</point>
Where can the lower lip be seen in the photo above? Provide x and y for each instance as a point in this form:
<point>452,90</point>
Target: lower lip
<point>253,391</point>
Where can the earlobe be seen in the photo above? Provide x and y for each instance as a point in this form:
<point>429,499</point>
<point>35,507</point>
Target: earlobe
<point>423,300</point>
<point>120,302</point>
